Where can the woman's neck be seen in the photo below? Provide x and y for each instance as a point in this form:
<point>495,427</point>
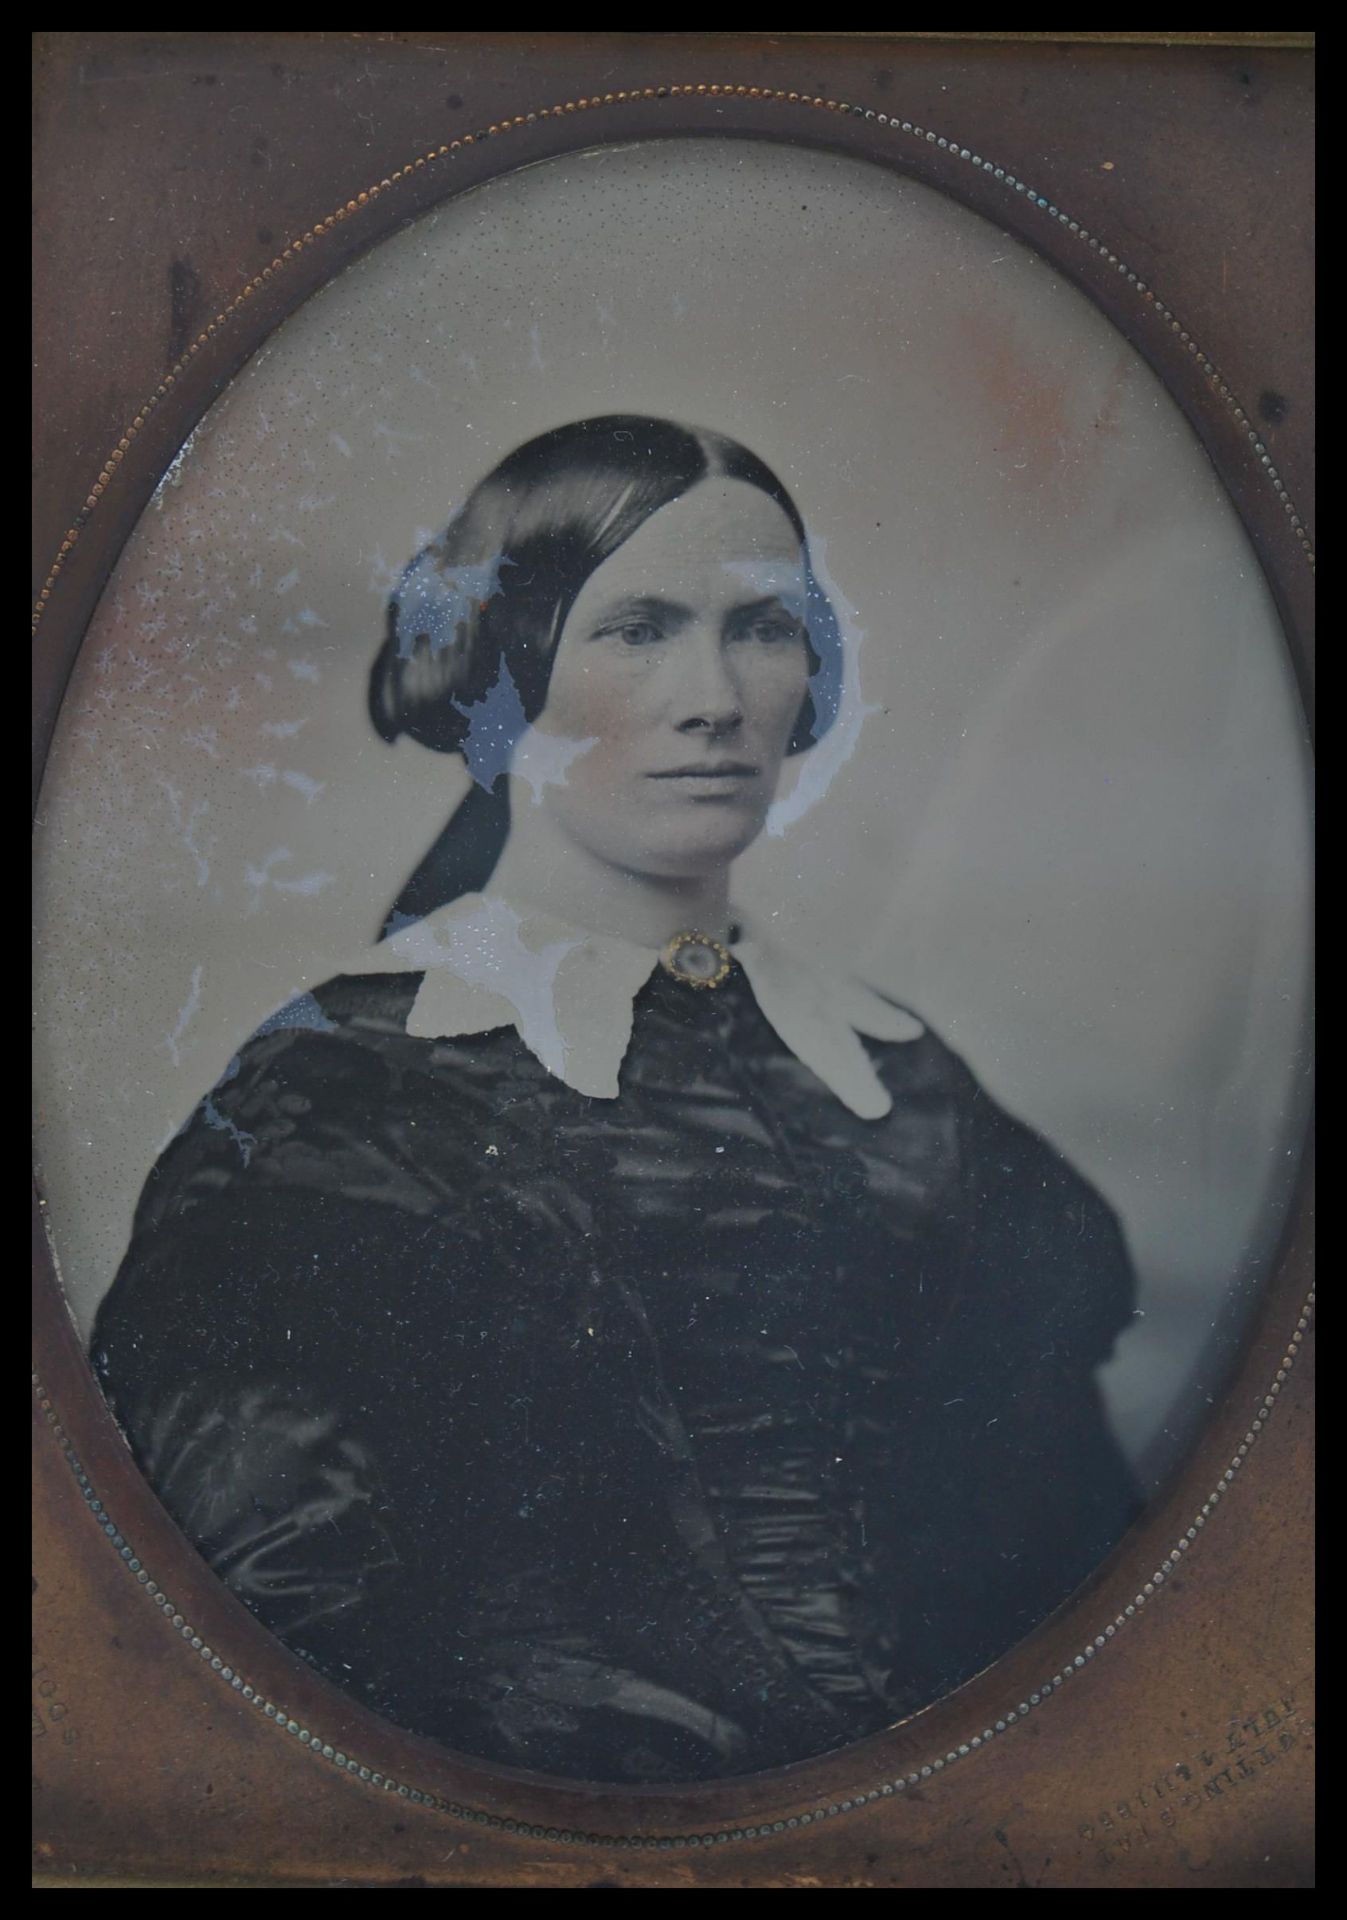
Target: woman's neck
<point>542,868</point>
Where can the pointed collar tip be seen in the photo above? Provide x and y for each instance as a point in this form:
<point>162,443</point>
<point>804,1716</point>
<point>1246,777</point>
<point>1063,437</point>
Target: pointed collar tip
<point>481,976</point>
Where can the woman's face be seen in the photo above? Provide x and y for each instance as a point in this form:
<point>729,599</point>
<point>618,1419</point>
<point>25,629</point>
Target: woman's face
<point>684,662</point>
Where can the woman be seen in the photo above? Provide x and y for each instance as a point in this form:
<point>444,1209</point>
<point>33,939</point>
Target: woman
<point>599,1340</point>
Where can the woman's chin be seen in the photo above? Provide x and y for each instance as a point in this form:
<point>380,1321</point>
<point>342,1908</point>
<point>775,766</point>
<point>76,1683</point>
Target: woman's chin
<point>708,847</point>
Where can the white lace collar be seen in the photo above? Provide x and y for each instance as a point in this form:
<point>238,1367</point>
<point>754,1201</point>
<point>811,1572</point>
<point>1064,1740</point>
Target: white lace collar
<point>490,962</point>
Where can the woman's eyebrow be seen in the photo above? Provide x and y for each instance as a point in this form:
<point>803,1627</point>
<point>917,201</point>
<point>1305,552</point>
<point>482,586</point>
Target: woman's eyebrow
<point>645,606</point>
<point>765,603</point>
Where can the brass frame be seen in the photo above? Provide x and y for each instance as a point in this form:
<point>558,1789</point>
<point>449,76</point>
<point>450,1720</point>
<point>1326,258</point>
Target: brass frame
<point>1177,1753</point>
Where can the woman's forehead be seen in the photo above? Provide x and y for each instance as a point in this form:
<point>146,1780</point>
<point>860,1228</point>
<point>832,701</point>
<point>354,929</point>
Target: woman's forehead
<point>722,536</point>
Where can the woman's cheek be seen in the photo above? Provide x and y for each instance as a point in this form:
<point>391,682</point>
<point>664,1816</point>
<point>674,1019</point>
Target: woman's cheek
<point>782,694</point>
<point>596,773</point>
<point>602,703</point>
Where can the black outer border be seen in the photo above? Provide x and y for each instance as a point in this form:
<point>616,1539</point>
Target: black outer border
<point>99,527</point>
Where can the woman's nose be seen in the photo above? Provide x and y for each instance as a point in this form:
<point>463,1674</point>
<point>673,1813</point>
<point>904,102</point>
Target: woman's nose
<point>708,697</point>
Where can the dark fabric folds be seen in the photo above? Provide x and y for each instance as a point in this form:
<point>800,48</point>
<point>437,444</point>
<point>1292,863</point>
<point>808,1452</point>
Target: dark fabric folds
<point>662,1438</point>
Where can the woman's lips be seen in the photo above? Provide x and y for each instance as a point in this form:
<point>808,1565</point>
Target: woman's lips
<point>714,770</point>
<point>726,780</point>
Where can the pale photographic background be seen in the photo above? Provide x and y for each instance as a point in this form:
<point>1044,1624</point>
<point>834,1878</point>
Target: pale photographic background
<point>1067,823</point>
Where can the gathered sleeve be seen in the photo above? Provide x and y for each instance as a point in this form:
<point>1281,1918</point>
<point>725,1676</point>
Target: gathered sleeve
<point>310,1348</point>
<point>1013,1486</point>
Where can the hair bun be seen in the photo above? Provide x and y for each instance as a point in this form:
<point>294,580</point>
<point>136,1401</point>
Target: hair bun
<point>437,600</point>
<point>429,665</point>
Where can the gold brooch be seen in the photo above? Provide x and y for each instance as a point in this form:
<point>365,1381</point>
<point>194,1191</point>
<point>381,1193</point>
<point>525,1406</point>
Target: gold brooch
<point>696,959</point>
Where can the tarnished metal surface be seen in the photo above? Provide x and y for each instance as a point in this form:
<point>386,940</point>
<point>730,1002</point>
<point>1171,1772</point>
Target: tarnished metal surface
<point>172,170</point>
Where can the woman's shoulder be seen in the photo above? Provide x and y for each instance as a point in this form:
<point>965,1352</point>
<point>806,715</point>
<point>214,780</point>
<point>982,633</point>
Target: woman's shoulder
<point>358,1005</point>
<point>912,1058</point>
<point>926,1062</point>
<point>331,1033</point>
<point>1013,1167</point>
<point>331,1128</point>
<point>326,1086</point>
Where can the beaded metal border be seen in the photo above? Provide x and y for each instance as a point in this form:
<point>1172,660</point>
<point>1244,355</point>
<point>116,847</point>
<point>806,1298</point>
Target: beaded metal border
<point>588,103</point>
<point>699,982</point>
<point>336,1756</point>
<point>648,1842</point>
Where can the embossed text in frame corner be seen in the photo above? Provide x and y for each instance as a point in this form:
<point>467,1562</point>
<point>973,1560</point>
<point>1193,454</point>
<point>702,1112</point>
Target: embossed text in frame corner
<point>1177,1796</point>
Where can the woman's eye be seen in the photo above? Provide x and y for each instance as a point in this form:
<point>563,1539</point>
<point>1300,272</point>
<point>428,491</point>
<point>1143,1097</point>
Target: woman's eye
<point>632,633</point>
<point>778,630</point>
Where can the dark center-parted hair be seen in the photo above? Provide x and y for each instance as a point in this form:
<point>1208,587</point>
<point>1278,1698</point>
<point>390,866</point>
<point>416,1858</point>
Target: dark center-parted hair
<point>474,622</point>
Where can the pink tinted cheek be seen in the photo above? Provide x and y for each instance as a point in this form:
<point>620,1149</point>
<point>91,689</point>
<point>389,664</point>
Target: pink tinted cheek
<point>779,692</point>
<point>587,706</point>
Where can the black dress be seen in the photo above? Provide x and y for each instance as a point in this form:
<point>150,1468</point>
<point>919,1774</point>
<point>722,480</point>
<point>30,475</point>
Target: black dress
<point>660,1438</point>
